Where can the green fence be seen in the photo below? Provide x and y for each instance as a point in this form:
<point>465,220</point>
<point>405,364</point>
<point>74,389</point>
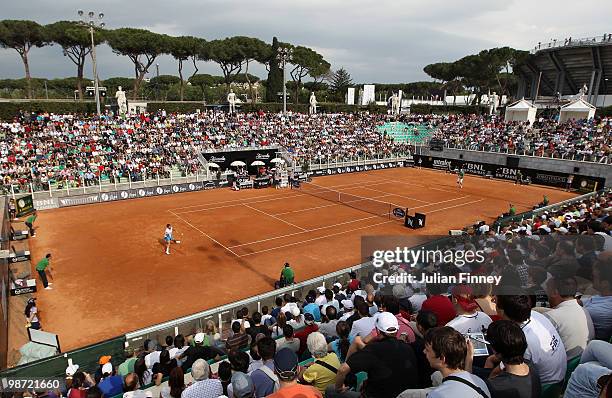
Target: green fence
<point>87,359</point>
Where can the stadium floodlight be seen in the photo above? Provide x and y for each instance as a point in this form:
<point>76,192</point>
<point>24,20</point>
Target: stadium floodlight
<point>283,56</point>
<point>91,24</point>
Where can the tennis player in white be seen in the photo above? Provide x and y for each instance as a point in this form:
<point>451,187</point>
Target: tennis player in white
<point>168,237</point>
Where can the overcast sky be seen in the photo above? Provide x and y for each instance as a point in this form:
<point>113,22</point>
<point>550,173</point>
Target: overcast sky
<point>385,41</point>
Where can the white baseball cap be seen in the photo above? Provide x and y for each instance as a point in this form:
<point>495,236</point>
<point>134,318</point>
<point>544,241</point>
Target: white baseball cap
<point>107,368</point>
<point>347,304</point>
<point>387,322</point>
<point>199,338</point>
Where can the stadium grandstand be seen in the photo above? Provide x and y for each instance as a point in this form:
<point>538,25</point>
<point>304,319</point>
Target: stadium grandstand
<point>218,247</point>
<point>563,66</point>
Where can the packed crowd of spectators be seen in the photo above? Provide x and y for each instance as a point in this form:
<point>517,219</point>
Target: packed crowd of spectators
<point>546,328</point>
<point>77,150</point>
<point>588,140</point>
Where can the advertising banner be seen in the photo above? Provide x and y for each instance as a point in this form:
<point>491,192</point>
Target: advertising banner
<point>136,193</point>
<point>549,178</point>
<point>24,206</point>
<point>224,159</point>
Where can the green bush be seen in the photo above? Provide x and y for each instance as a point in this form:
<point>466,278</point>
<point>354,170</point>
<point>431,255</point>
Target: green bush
<point>8,110</point>
<point>604,112</point>
<point>424,109</point>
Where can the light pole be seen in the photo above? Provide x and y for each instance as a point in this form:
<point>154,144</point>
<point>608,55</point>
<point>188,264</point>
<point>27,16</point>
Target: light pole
<point>157,83</point>
<point>93,22</point>
<point>283,56</point>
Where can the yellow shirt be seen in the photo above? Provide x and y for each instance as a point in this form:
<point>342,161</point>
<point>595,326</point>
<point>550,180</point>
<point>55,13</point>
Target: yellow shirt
<point>319,376</point>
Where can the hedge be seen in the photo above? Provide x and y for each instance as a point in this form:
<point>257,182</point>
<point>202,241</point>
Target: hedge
<point>8,110</point>
<point>425,109</point>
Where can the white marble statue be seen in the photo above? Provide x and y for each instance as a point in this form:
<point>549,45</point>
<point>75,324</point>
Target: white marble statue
<point>395,104</point>
<point>493,102</point>
<point>231,99</point>
<point>313,104</point>
<point>584,90</point>
<point>121,101</point>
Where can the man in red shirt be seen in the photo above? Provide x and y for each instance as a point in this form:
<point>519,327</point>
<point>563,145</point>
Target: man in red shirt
<point>439,304</point>
<point>302,335</point>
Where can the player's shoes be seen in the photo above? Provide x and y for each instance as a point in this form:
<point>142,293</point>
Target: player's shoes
<point>167,252</point>
<point>50,283</point>
<point>48,288</point>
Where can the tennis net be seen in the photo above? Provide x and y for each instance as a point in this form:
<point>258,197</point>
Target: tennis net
<point>368,205</point>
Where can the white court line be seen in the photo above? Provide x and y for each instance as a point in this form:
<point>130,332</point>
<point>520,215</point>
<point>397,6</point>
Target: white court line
<point>330,205</point>
<point>305,232</point>
<point>273,216</point>
<point>240,201</point>
<point>437,203</point>
<point>459,205</point>
<point>205,234</point>
<point>334,225</point>
<point>313,239</point>
<point>395,194</point>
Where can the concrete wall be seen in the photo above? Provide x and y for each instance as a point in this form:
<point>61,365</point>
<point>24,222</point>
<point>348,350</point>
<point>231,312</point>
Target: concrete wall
<point>531,162</point>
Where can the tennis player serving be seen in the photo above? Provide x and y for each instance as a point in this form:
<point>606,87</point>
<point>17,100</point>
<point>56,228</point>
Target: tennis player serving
<point>168,237</point>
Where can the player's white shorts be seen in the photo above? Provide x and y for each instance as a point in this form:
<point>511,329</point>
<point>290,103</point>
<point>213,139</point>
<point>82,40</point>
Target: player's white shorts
<point>459,180</point>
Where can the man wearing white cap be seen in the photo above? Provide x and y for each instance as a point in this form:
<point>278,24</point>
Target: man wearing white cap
<point>110,384</point>
<point>348,309</point>
<point>389,363</point>
<point>198,351</point>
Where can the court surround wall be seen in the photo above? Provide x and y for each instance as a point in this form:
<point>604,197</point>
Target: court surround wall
<point>587,169</point>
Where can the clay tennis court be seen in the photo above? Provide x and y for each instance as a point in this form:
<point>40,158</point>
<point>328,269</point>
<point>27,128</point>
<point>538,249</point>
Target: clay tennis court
<point>112,276</point>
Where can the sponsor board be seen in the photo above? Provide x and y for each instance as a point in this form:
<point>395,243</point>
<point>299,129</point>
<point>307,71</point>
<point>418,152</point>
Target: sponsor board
<point>136,193</point>
<point>537,176</point>
<point>23,290</point>
<point>45,204</point>
<point>24,206</point>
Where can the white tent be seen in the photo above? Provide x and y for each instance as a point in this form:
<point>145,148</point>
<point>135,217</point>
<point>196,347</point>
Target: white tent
<point>578,109</point>
<point>521,111</point>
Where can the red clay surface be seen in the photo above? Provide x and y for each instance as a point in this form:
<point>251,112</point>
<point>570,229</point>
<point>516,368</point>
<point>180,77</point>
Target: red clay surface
<point>112,276</point>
